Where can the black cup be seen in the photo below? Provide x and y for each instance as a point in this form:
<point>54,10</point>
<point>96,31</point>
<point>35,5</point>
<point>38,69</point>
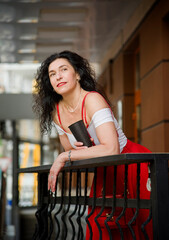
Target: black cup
<point>80,132</point>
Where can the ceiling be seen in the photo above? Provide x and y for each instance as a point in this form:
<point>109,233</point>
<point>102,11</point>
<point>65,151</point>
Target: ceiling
<point>31,30</point>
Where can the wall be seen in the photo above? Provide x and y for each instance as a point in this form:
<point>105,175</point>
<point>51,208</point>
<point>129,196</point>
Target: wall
<point>154,65</point>
<point>151,37</point>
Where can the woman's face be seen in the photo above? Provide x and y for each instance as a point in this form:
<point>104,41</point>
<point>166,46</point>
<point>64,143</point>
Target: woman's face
<point>62,75</point>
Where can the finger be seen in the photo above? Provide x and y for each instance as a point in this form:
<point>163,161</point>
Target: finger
<point>91,139</point>
<point>78,144</point>
<point>53,185</point>
<point>82,147</point>
<point>51,176</point>
<point>49,181</point>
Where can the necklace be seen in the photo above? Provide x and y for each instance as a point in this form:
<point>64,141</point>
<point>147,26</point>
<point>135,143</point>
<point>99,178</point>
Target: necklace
<point>70,109</point>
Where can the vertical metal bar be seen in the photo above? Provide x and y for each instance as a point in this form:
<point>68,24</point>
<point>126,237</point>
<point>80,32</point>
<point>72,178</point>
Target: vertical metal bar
<point>44,211</point>
<point>75,209</point>
<point>37,213</point>
<point>85,201</point>
<point>41,214</point>
<point>61,205</point>
<point>93,204</point>
<point>113,205</point>
<point>65,229</point>
<point>52,206</point>
<point>41,153</point>
<point>44,222</point>
<point>160,198</point>
<point>149,216</point>
<point>2,202</point>
<point>80,232</point>
<point>15,164</point>
<point>103,204</point>
<point>125,203</point>
<point>145,223</point>
<point>138,203</point>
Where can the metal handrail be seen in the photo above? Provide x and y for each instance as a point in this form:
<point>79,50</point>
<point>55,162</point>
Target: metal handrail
<point>158,204</point>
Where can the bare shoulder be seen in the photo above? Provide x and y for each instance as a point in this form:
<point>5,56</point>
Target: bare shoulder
<point>94,102</point>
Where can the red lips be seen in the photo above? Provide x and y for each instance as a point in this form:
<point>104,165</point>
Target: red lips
<point>61,84</point>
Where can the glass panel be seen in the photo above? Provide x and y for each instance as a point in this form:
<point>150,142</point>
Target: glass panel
<point>49,155</point>
<point>51,147</point>
<point>120,113</point>
<point>29,129</point>
<point>17,78</point>
<point>27,186</point>
<point>29,155</point>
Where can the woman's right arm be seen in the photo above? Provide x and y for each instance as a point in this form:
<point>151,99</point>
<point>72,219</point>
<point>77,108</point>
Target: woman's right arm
<point>66,144</point>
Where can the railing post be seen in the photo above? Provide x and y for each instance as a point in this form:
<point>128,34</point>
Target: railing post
<point>15,165</point>
<point>160,198</point>
<point>42,213</point>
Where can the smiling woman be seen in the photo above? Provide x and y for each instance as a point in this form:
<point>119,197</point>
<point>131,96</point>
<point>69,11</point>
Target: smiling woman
<point>46,82</point>
<point>63,77</point>
<point>66,93</point>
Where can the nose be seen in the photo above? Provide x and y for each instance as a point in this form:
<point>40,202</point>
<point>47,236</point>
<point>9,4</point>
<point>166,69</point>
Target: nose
<point>58,76</point>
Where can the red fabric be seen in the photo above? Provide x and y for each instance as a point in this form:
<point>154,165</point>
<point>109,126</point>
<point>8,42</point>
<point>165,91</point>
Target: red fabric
<point>84,109</point>
<point>59,116</point>
<point>132,183</point>
<point>83,112</point>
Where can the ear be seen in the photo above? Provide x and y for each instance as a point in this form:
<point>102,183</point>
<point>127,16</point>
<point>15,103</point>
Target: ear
<point>77,77</point>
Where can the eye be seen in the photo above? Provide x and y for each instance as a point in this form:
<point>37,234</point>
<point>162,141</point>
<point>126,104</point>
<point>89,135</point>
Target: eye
<point>52,74</point>
<point>64,69</point>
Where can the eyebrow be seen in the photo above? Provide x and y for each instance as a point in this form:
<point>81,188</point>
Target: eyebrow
<point>59,67</point>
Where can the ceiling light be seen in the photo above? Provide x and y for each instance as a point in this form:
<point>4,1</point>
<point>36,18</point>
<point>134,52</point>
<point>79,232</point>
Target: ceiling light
<point>28,37</point>
<point>28,20</point>
<point>27,51</point>
<point>29,1</point>
<point>29,61</point>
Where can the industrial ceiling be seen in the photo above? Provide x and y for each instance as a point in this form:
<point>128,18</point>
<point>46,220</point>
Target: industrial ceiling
<point>31,30</point>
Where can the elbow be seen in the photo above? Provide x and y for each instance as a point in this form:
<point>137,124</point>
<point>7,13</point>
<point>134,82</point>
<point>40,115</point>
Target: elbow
<point>113,150</point>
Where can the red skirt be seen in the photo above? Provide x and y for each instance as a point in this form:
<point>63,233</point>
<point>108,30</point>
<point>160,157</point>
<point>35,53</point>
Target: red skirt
<point>130,147</point>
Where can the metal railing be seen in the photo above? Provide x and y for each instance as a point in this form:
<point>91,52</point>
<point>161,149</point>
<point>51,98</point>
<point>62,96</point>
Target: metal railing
<point>65,214</point>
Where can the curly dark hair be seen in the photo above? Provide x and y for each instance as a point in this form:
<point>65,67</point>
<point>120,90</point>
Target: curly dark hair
<point>46,98</point>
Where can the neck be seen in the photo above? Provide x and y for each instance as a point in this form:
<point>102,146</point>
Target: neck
<point>72,101</point>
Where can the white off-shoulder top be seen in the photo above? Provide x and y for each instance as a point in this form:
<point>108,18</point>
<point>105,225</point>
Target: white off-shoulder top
<point>100,117</point>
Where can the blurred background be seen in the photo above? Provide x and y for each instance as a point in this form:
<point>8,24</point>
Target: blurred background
<point>127,44</point>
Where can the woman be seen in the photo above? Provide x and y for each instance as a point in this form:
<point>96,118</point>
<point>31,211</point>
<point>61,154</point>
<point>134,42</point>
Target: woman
<point>67,92</point>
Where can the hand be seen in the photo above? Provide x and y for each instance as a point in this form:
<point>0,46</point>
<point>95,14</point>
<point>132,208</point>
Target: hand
<point>54,171</point>
<point>79,145</point>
